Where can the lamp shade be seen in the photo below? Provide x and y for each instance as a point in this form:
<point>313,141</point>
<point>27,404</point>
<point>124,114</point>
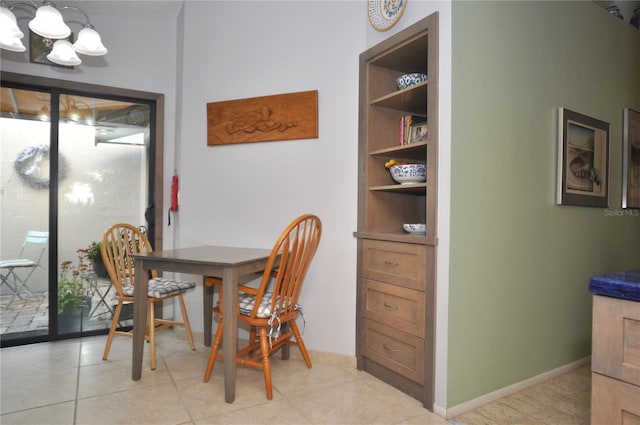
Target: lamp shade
<point>48,23</point>
<point>9,24</point>
<point>63,54</point>
<point>12,44</point>
<point>89,43</point>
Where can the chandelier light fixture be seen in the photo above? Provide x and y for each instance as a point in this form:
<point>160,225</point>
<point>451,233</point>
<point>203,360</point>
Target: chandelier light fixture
<point>49,24</point>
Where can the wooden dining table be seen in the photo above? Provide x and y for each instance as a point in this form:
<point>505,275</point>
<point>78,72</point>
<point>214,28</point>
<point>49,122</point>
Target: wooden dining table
<point>228,263</point>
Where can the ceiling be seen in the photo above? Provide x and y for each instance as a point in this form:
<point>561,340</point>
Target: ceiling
<point>168,9</point>
<point>171,8</point>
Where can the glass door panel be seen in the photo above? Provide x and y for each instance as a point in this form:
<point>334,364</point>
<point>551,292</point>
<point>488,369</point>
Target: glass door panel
<point>103,153</point>
<point>24,218</point>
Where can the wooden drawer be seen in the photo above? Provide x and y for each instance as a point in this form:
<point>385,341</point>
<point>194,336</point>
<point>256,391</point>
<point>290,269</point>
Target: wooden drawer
<point>616,338</point>
<point>398,307</point>
<point>395,350</point>
<point>401,264</point>
<point>614,402</point>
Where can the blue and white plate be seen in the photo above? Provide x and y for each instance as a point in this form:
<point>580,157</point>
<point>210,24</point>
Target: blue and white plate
<point>383,14</point>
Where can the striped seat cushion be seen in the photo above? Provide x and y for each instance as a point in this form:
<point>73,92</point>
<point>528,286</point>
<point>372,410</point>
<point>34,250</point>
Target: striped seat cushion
<point>161,287</point>
<point>247,302</point>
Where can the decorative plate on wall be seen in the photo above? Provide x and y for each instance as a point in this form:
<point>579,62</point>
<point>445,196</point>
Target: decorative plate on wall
<point>383,14</point>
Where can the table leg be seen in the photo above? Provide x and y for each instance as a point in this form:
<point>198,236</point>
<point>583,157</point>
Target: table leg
<point>230,332</point>
<point>207,296</point>
<point>139,317</point>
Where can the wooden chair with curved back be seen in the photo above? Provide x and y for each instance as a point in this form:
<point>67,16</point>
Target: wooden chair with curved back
<point>119,244</point>
<point>271,309</point>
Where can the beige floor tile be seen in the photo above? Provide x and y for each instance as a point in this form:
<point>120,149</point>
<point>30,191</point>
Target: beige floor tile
<point>109,377</point>
<point>36,359</point>
<point>42,384</point>
<point>207,399</point>
<point>553,416</point>
<point>501,413</point>
<point>50,387</point>
<point>473,418</point>
<point>427,418</point>
<point>350,403</point>
<point>292,377</point>
<point>186,364</point>
<point>523,403</point>
<point>279,412</point>
<point>57,414</point>
<point>158,405</point>
<point>392,394</point>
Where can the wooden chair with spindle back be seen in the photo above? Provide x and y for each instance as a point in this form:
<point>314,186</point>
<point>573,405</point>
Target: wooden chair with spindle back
<point>271,309</point>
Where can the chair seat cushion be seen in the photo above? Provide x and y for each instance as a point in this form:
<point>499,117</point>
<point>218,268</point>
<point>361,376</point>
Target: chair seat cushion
<point>162,287</point>
<point>247,302</point>
<point>18,262</point>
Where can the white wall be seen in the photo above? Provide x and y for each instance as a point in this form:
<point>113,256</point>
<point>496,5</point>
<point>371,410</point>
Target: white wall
<point>244,195</point>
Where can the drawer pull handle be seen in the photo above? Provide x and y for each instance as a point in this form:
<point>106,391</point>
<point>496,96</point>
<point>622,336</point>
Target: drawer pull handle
<point>391,263</point>
<point>392,306</point>
<point>390,349</point>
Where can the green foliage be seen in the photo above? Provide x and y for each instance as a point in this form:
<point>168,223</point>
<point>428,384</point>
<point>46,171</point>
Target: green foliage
<point>93,252</point>
<point>71,293</point>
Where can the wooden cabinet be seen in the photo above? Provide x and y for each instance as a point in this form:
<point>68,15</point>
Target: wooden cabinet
<point>396,270</point>
<point>615,361</point>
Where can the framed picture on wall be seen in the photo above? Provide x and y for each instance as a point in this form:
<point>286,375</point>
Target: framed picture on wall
<point>583,160</point>
<point>631,160</point>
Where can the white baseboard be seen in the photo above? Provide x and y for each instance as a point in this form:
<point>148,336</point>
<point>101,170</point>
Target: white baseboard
<point>511,389</point>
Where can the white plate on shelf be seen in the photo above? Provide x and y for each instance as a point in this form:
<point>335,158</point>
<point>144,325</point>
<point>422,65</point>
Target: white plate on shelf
<point>415,229</point>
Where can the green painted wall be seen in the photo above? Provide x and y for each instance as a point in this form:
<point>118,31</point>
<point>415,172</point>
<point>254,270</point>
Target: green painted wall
<point>520,264</point>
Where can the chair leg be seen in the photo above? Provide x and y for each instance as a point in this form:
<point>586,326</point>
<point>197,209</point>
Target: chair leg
<point>266,364</point>
<point>214,352</point>
<point>187,326</point>
<point>252,339</point>
<point>300,343</point>
<point>112,329</point>
<point>152,334</point>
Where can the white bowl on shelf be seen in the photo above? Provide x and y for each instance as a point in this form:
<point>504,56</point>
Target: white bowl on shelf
<point>409,173</point>
<point>416,229</point>
<point>408,80</point>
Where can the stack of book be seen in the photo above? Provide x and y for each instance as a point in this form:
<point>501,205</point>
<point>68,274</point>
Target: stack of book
<point>406,121</point>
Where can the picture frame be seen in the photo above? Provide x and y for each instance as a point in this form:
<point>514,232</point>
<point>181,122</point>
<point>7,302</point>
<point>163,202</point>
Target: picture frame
<point>631,160</point>
<point>280,117</point>
<point>583,160</point>
<point>418,132</point>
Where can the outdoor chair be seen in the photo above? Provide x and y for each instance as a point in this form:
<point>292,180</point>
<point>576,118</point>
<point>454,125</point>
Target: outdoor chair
<point>119,244</point>
<point>271,309</point>
<point>15,273</point>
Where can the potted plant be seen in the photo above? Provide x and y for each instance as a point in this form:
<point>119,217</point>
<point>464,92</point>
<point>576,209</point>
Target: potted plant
<point>94,255</point>
<point>74,301</point>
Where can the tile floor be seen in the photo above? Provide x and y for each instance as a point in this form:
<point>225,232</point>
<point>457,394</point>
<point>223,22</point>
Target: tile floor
<point>67,382</point>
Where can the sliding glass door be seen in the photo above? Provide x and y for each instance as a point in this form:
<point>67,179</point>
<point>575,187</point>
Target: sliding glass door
<point>73,163</point>
<point>103,151</point>
<point>24,195</point>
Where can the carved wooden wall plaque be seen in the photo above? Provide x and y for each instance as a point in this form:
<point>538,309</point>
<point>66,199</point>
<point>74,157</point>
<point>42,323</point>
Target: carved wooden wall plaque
<point>262,119</point>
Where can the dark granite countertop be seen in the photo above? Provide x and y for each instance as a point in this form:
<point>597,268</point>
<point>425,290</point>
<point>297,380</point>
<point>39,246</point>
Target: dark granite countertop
<point>625,285</point>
